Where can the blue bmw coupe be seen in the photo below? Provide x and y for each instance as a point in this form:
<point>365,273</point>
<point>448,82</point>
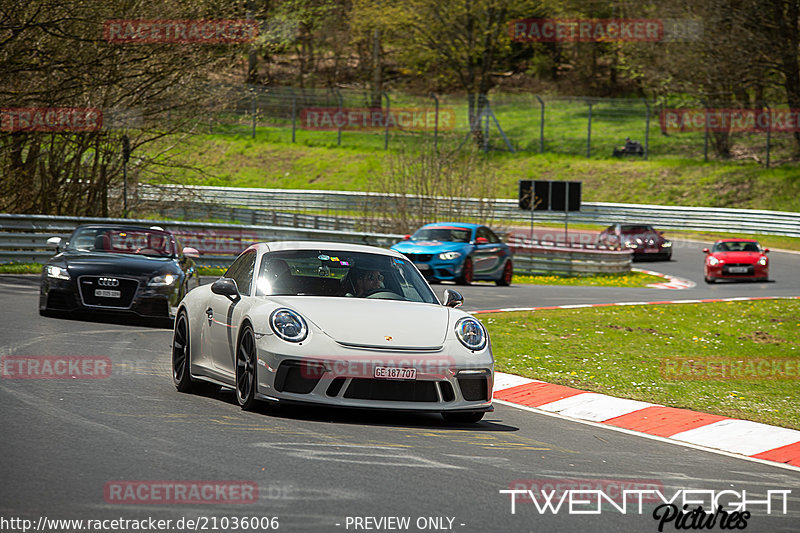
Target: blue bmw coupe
<point>460,252</point>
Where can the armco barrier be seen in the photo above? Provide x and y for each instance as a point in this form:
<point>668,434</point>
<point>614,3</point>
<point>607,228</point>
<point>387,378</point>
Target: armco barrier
<point>503,210</point>
<point>23,239</point>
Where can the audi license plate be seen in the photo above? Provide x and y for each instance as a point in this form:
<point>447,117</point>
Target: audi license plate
<point>105,293</point>
<point>738,270</point>
<point>386,372</point>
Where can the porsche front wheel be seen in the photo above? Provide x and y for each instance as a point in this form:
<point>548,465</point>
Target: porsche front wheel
<point>246,359</point>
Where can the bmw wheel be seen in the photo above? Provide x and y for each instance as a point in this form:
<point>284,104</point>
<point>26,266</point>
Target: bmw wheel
<point>508,274</point>
<point>246,369</point>
<point>466,272</point>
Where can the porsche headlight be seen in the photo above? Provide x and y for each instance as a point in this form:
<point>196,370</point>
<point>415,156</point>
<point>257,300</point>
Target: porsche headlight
<point>762,261</point>
<point>288,325</point>
<point>713,261</point>
<point>449,256</point>
<point>162,281</point>
<point>471,333</point>
<point>57,272</point>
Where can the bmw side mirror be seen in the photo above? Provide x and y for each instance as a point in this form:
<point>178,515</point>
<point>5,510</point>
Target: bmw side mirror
<point>54,242</point>
<point>191,252</point>
<point>452,298</point>
<point>481,240</point>
<point>406,237</point>
<point>226,287</point>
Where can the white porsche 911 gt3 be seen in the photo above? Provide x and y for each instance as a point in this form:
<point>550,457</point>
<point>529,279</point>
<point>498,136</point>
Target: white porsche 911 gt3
<point>336,324</point>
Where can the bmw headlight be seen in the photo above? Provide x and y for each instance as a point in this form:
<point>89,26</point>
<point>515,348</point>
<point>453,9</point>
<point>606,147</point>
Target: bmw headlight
<point>162,281</point>
<point>449,256</point>
<point>57,272</point>
<point>762,261</point>
<point>713,261</point>
<point>471,333</point>
<point>666,244</point>
<point>631,244</point>
<point>288,325</point>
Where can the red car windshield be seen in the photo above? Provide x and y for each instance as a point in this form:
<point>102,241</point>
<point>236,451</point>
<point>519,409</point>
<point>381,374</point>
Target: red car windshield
<point>129,241</point>
<point>736,246</point>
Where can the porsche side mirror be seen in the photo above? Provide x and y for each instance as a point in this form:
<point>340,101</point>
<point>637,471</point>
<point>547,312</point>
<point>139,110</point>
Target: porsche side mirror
<point>226,287</point>
<point>191,252</point>
<point>54,242</point>
<point>705,250</point>
<point>452,298</point>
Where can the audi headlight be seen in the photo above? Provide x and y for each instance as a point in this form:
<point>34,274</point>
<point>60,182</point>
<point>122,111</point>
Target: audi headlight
<point>666,244</point>
<point>449,256</point>
<point>713,261</point>
<point>57,272</point>
<point>288,325</point>
<point>631,244</point>
<point>471,333</point>
<point>762,261</point>
<point>162,281</point>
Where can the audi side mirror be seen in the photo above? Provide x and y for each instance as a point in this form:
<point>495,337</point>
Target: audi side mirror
<point>54,242</point>
<point>226,287</point>
<point>452,298</point>
<point>191,252</point>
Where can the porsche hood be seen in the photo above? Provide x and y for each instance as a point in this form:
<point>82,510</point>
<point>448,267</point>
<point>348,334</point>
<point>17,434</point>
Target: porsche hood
<point>374,323</point>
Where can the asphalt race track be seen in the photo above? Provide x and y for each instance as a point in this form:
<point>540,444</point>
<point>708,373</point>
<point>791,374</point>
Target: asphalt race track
<point>64,443</point>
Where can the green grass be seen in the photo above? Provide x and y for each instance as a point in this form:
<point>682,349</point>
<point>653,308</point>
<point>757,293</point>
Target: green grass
<point>619,351</point>
<point>20,268</point>
<point>633,279</point>
<point>272,162</point>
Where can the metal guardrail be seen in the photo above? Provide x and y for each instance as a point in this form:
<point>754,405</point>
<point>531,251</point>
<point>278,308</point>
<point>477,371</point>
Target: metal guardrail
<point>23,238</point>
<point>725,220</point>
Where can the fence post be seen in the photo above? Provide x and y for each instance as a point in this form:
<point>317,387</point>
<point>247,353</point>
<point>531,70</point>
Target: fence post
<point>589,131</point>
<point>541,124</point>
<point>339,130</point>
<point>435,122</point>
<point>294,114</point>
<point>646,130</point>
<point>769,131</point>
<point>386,121</point>
<point>485,125</point>
<point>253,110</point>
<point>705,135</point>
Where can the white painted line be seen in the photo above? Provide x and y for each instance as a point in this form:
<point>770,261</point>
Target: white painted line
<point>740,436</point>
<point>504,381</point>
<point>666,440</point>
<point>593,406</point>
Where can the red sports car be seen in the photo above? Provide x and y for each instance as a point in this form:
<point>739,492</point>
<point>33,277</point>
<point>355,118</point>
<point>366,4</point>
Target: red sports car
<point>736,259</point>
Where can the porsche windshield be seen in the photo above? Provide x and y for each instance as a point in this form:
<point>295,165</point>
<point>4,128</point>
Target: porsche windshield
<point>341,274</point>
<point>133,241</point>
<point>444,234</point>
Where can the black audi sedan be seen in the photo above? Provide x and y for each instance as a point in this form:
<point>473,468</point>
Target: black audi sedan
<point>117,269</point>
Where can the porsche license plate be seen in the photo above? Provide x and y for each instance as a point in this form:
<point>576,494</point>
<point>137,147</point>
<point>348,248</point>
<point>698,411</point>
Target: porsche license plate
<point>386,372</point>
<point>105,293</point>
<point>738,270</point>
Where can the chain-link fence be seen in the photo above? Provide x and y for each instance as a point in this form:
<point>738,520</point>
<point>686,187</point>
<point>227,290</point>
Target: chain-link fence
<point>591,127</point>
